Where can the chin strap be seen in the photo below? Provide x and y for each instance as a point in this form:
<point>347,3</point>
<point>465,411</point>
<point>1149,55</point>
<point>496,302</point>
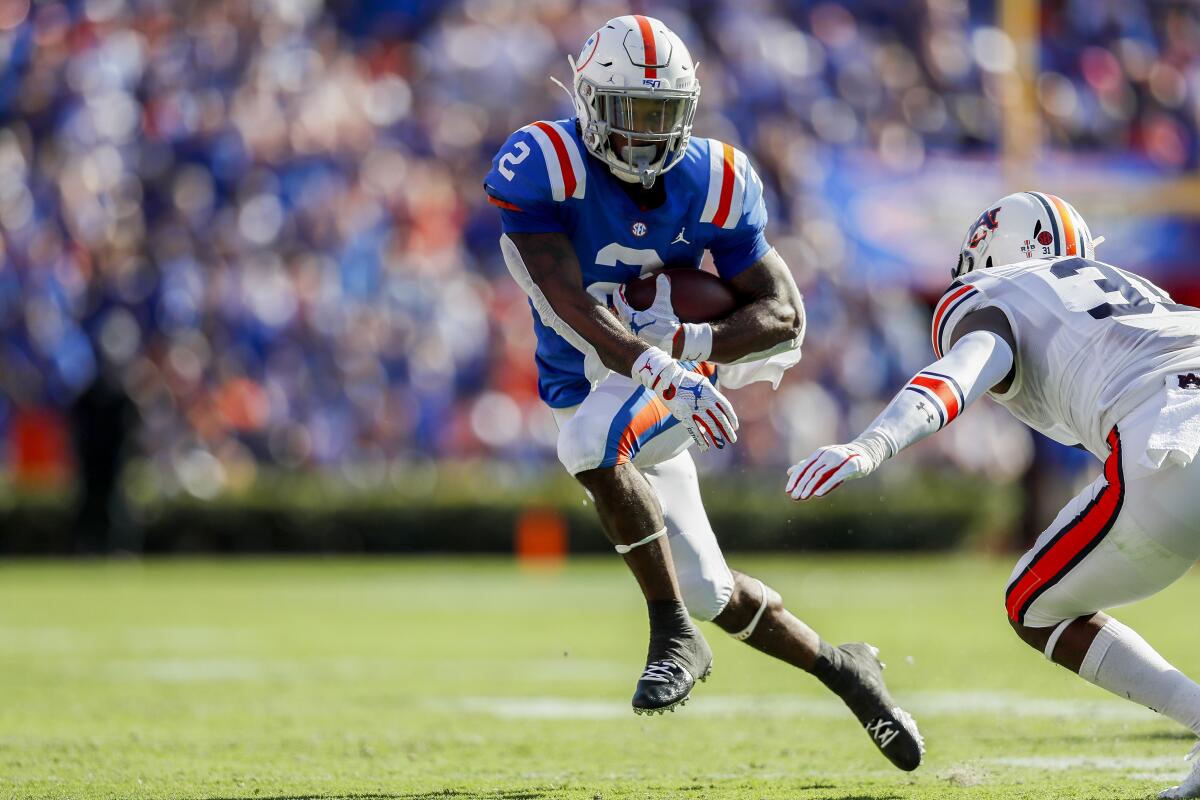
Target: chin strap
<point>625,548</point>
<point>746,632</point>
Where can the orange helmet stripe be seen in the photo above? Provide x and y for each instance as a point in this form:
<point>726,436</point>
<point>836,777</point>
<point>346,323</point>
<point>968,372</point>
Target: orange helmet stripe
<point>648,45</point>
<point>1068,224</point>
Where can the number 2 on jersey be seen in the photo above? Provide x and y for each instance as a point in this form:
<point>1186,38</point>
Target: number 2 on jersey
<point>1139,298</point>
<point>512,158</point>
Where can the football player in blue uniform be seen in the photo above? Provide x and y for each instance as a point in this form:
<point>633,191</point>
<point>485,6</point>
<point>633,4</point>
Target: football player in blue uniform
<point>588,204</point>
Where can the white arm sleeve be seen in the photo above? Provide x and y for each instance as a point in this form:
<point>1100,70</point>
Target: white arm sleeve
<point>938,394</point>
<point>594,369</point>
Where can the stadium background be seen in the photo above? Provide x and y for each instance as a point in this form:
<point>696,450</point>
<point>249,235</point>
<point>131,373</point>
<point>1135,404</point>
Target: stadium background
<point>251,298</point>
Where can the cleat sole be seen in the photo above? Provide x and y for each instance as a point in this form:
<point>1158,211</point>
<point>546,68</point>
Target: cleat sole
<point>680,703</point>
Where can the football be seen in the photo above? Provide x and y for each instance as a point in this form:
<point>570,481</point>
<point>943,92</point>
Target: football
<point>696,295</point>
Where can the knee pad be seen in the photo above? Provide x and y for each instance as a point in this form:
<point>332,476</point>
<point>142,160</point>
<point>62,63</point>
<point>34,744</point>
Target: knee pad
<point>706,595</point>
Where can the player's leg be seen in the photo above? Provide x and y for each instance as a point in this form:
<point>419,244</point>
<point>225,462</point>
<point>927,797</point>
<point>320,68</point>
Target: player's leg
<point>754,613</point>
<point>597,444</point>
<point>705,580</point>
<point>1120,540</point>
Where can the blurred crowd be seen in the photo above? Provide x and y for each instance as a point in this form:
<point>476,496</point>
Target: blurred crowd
<point>252,232</point>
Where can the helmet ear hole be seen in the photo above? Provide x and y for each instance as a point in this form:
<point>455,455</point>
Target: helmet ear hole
<point>988,264</point>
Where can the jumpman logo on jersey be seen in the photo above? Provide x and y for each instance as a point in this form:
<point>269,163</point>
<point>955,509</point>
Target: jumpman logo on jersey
<point>679,237</point>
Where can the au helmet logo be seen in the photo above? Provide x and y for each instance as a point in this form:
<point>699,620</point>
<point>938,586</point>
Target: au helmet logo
<point>987,221</point>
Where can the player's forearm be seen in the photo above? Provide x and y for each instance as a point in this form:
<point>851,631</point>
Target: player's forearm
<point>545,266</point>
<point>760,326</point>
<point>938,394</point>
<point>772,314</point>
<point>616,346</point>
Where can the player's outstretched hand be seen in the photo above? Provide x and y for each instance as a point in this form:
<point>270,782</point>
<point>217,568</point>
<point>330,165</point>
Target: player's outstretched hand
<point>690,397</point>
<point>827,469</point>
<point>658,323</point>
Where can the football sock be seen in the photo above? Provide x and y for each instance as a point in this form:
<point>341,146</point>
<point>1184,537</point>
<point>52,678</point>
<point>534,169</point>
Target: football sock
<point>829,667</point>
<point>1122,662</point>
<point>672,634</point>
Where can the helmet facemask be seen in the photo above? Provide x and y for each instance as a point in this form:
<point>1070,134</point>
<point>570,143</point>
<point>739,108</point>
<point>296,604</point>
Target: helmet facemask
<point>640,133</point>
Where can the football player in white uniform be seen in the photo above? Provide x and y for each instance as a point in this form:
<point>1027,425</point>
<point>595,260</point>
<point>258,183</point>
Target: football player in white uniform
<point>1089,355</point>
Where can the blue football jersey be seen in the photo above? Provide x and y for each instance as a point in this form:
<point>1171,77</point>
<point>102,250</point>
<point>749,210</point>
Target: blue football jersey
<point>544,180</point>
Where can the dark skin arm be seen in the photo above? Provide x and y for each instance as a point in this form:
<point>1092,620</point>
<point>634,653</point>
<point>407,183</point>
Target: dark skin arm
<point>551,262</point>
<point>990,319</point>
<point>770,312</point>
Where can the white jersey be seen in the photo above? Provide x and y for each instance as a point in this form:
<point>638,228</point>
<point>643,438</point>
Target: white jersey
<point>1093,342</point>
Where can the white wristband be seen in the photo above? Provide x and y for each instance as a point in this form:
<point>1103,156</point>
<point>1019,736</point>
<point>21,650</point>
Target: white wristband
<point>697,341</point>
<point>651,369</point>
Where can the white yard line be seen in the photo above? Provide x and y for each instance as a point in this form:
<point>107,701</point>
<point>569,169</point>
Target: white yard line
<point>1061,763</point>
<point>922,704</point>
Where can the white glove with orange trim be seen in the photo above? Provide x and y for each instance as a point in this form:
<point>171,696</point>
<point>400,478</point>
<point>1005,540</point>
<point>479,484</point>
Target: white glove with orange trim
<point>828,468</point>
<point>690,397</point>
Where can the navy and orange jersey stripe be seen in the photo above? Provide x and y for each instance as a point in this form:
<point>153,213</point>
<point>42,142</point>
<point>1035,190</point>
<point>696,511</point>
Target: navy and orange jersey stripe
<point>955,298</point>
<point>942,391</point>
<point>1079,537</point>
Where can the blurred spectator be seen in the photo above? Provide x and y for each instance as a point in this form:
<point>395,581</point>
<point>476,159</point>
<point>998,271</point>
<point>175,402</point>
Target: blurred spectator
<point>267,216</point>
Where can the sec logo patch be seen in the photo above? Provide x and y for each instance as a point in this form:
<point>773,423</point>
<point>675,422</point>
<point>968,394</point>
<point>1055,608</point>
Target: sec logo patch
<point>638,229</point>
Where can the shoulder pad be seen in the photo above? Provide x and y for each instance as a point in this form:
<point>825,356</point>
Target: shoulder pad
<point>540,162</point>
<point>960,297</point>
<point>729,177</point>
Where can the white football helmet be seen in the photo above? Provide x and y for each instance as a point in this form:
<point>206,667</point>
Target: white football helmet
<point>635,92</point>
<point>1021,226</point>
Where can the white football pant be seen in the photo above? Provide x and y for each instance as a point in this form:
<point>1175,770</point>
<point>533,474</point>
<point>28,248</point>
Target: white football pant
<point>1127,536</point>
<point>621,422</point>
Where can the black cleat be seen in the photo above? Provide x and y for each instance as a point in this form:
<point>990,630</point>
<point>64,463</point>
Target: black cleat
<point>855,673</point>
<point>664,686</point>
<point>677,658</point>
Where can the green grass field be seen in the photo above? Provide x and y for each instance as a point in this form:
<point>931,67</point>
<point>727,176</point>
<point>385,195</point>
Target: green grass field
<point>470,678</point>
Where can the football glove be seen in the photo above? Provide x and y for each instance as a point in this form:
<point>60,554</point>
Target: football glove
<point>660,327</point>
<point>703,411</point>
<point>657,324</point>
<point>827,469</point>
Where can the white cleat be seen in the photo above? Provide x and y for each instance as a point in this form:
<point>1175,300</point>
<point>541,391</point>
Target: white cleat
<point>1190,788</point>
